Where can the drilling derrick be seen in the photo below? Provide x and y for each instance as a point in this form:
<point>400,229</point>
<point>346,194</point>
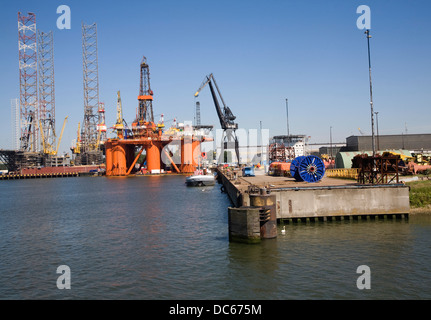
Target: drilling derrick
<point>89,134</point>
<point>145,95</point>
<point>27,44</point>
<point>46,92</point>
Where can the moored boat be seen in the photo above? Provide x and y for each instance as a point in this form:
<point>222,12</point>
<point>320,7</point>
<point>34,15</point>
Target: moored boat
<point>201,178</point>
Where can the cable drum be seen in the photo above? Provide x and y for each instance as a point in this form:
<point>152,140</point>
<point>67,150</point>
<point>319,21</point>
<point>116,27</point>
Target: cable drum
<point>307,168</point>
<point>294,168</point>
<point>311,169</point>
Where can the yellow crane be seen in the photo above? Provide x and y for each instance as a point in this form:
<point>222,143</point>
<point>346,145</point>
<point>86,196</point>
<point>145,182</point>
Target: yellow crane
<point>95,144</point>
<point>119,124</point>
<point>47,148</point>
<point>77,148</point>
<point>402,156</point>
<point>99,133</point>
<point>61,134</point>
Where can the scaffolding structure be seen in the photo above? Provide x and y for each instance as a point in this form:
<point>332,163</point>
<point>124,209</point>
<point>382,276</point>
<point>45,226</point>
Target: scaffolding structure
<point>46,91</point>
<point>378,169</point>
<point>29,115</point>
<point>34,140</point>
<point>14,103</point>
<point>89,133</point>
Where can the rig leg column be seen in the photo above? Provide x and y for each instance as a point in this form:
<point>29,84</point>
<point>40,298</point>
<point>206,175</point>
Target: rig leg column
<point>108,151</point>
<point>153,159</point>
<point>119,161</point>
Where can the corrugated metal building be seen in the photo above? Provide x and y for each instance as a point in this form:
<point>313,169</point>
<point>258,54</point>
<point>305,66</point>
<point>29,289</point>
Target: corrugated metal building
<point>413,142</point>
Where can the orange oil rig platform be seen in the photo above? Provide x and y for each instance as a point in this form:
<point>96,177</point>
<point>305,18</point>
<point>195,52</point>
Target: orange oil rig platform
<point>121,156</point>
<point>122,153</point>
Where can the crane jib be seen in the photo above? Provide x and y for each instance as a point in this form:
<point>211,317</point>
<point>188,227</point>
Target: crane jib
<point>225,116</point>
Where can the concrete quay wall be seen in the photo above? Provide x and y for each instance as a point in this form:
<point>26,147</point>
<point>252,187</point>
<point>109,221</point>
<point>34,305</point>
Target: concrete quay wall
<point>334,202</point>
<point>322,200</point>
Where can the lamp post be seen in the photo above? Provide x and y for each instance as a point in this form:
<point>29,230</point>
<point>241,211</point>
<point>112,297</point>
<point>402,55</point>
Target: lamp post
<point>330,141</point>
<point>261,144</point>
<point>371,94</point>
<point>287,119</point>
<point>377,123</point>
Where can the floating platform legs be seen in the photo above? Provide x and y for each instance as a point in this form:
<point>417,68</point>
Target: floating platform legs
<point>122,155</point>
<point>118,155</point>
<point>153,158</point>
<point>118,158</point>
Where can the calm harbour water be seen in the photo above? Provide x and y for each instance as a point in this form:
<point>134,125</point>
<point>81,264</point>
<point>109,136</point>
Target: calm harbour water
<point>155,238</point>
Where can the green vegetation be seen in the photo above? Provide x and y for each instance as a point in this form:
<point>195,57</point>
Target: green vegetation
<point>420,193</point>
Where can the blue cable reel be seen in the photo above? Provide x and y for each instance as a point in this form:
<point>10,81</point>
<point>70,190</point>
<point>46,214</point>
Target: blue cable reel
<point>294,168</point>
<point>311,169</point>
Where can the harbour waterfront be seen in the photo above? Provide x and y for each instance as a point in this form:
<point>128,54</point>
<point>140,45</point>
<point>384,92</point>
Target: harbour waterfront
<point>153,238</point>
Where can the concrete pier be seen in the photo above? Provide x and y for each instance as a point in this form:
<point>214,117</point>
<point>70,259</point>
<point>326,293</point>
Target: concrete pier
<point>39,175</point>
<point>244,224</point>
<point>328,199</point>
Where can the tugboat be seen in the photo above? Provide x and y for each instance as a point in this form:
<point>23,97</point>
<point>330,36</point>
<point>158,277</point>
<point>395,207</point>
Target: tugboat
<point>201,178</point>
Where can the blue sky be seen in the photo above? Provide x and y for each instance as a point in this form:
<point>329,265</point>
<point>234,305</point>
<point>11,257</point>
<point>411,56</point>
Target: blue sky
<point>260,52</point>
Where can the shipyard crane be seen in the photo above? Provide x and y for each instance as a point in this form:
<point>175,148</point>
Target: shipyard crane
<point>48,148</point>
<point>61,134</point>
<point>26,138</point>
<point>121,125</point>
<point>225,116</point>
<point>77,148</point>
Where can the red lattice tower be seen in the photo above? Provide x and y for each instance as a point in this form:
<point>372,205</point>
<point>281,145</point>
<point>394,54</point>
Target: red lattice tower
<point>29,116</point>
<point>46,91</point>
<point>89,134</point>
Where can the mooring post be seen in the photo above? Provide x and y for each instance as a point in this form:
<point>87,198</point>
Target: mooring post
<point>268,216</point>
<point>244,224</point>
<point>251,224</point>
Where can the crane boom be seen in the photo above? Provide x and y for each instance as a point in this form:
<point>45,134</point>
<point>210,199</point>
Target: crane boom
<point>48,148</point>
<point>61,134</point>
<point>205,82</point>
<point>77,148</point>
<point>119,124</point>
<point>42,136</point>
<point>225,116</point>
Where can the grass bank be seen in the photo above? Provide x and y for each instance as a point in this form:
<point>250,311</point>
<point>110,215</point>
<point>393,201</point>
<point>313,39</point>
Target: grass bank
<point>420,195</point>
